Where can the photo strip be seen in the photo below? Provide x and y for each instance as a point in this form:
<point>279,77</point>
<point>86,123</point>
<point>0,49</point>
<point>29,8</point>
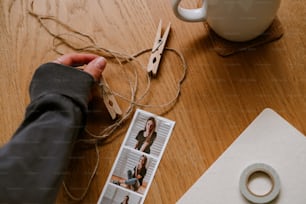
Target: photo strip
<point>138,159</point>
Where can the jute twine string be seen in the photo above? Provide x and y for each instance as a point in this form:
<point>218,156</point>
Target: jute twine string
<point>121,59</point>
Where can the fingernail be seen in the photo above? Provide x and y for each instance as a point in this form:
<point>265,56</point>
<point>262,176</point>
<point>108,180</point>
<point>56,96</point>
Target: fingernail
<point>58,60</point>
<point>100,62</point>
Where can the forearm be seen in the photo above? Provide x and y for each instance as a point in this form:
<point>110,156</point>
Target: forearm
<point>144,146</point>
<point>33,162</point>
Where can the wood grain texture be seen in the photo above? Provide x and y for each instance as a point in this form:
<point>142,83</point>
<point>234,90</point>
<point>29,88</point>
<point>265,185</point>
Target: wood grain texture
<point>220,96</point>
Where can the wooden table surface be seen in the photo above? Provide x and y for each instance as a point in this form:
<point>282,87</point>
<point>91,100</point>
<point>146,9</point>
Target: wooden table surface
<point>219,97</point>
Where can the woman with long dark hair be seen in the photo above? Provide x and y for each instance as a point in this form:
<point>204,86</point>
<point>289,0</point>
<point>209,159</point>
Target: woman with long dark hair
<point>146,137</point>
<point>135,177</point>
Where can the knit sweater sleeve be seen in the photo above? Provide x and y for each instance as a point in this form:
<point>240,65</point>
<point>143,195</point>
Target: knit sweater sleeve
<point>33,162</point>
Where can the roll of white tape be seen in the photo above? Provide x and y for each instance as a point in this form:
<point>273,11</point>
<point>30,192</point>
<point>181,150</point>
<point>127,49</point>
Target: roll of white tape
<point>245,178</point>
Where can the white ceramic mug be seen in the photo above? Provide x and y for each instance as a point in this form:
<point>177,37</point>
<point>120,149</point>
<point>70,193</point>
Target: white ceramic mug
<point>234,20</point>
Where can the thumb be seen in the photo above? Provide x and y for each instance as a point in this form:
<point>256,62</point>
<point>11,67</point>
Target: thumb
<point>96,67</point>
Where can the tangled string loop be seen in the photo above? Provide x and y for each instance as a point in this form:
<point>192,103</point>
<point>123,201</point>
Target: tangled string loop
<point>116,57</point>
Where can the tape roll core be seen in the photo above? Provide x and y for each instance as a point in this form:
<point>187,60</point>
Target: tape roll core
<point>245,178</point>
<point>269,176</point>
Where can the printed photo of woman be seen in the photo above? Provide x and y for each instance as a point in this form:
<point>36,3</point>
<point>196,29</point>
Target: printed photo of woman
<point>146,137</point>
<point>135,178</point>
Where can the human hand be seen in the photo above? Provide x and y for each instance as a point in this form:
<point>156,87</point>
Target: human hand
<point>94,63</point>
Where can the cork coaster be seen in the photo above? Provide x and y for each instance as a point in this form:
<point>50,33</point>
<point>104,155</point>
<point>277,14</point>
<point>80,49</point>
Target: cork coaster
<point>225,48</point>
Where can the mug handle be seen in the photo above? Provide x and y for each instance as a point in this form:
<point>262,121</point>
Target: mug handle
<point>190,15</point>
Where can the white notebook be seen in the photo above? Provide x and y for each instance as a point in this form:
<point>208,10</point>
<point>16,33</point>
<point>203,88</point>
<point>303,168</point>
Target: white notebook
<point>269,139</point>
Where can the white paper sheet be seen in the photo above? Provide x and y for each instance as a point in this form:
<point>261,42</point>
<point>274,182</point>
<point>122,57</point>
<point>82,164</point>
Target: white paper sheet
<point>268,139</point>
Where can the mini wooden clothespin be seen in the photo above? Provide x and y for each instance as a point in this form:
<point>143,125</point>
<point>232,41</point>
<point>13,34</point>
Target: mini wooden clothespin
<point>109,100</point>
<point>157,50</point>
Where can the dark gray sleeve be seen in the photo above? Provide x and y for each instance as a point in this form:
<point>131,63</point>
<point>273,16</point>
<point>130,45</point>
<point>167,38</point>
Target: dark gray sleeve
<point>33,162</point>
